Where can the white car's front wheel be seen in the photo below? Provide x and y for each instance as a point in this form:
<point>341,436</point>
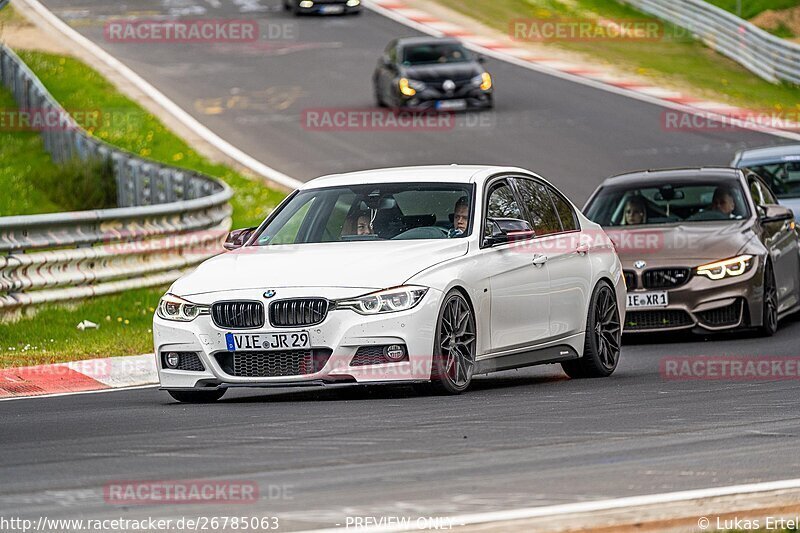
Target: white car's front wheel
<point>454,349</point>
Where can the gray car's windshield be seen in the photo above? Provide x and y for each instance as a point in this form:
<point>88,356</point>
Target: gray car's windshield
<point>397,211</point>
<point>783,177</point>
<point>668,203</point>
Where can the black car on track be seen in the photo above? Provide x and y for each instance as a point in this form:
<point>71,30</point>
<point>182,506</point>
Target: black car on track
<point>323,7</point>
<point>427,73</point>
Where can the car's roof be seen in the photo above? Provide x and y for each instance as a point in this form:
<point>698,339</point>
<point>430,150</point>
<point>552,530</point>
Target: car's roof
<point>420,174</point>
<point>425,40</point>
<point>642,177</point>
<point>769,154</point>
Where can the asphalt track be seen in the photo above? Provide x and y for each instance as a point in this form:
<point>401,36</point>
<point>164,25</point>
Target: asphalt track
<point>256,95</point>
<point>517,439</point>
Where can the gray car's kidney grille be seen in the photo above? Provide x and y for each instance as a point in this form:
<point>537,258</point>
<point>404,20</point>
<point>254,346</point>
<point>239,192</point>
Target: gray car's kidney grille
<point>657,319</point>
<point>665,278</point>
<point>298,312</point>
<point>238,314</point>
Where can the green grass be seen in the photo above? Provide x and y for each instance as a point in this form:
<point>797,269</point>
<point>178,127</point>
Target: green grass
<point>52,336</point>
<point>673,59</point>
<point>48,333</point>
<point>751,8</point>
<point>24,162</point>
<point>115,119</point>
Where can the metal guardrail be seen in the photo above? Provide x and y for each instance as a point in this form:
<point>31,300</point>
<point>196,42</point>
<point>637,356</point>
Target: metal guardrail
<point>168,219</point>
<point>768,56</point>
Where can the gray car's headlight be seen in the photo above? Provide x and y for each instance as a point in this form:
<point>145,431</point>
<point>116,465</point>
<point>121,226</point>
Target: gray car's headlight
<point>735,266</point>
<point>175,308</point>
<point>385,301</point>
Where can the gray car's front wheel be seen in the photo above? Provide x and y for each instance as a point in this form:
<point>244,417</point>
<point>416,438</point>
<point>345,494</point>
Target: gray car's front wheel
<point>601,349</point>
<point>769,314</point>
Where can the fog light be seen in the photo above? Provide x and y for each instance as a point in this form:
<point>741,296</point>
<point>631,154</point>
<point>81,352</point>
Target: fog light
<point>353,3</point>
<point>394,352</point>
<point>173,359</point>
<point>306,4</point>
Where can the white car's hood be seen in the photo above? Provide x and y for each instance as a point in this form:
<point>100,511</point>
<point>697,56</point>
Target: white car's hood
<point>368,265</point>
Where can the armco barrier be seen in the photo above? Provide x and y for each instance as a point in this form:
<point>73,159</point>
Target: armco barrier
<point>768,56</point>
<point>168,219</point>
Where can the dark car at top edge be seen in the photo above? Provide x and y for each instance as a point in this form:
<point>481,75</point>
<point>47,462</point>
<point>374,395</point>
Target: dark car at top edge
<point>427,73</point>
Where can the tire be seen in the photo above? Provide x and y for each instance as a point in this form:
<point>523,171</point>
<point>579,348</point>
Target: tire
<point>601,349</point>
<point>769,313</point>
<point>454,346</point>
<point>198,396</point>
<point>378,98</point>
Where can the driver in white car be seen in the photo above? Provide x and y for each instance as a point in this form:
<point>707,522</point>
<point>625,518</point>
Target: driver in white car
<point>460,217</point>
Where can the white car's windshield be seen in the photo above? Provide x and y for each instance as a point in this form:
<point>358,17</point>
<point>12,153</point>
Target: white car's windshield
<point>398,211</point>
<point>668,203</point>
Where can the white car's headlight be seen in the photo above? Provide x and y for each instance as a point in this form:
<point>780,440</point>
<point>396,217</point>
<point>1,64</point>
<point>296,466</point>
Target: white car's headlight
<point>385,301</point>
<point>735,266</point>
<point>175,308</point>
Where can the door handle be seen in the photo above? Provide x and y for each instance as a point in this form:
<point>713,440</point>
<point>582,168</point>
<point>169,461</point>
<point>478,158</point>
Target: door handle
<point>539,260</point>
<point>582,249</point>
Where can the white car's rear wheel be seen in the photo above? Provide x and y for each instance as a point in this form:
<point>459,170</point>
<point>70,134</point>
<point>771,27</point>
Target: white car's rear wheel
<point>601,348</point>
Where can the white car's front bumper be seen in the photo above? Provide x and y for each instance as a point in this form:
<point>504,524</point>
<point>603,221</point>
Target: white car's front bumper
<point>342,333</point>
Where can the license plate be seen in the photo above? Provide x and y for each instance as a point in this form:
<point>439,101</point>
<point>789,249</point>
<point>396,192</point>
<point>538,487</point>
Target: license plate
<point>331,10</point>
<point>647,299</point>
<point>265,342</point>
<point>451,105</point>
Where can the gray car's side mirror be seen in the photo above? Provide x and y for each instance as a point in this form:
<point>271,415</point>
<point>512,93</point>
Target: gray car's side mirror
<point>774,213</point>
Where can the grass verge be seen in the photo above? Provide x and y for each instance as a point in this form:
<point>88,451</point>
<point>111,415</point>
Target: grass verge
<point>50,335</point>
<point>751,8</point>
<point>675,59</point>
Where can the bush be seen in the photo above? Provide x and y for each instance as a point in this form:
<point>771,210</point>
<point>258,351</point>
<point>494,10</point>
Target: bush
<point>78,185</point>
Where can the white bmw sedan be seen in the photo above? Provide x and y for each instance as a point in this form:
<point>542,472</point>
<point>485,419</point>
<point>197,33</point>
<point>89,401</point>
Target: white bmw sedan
<point>422,275</point>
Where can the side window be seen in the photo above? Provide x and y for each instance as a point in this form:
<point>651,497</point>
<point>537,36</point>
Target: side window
<point>391,52</point>
<point>569,222</point>
<point>502,203</point>
<point>541,213</point>
<point>755,192</point>
<point>766,193</point>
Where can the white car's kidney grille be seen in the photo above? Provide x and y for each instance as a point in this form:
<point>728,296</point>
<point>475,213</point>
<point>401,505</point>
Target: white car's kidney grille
<point>273,364</point>
<point>238,314</point>
<point>298,312</point>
